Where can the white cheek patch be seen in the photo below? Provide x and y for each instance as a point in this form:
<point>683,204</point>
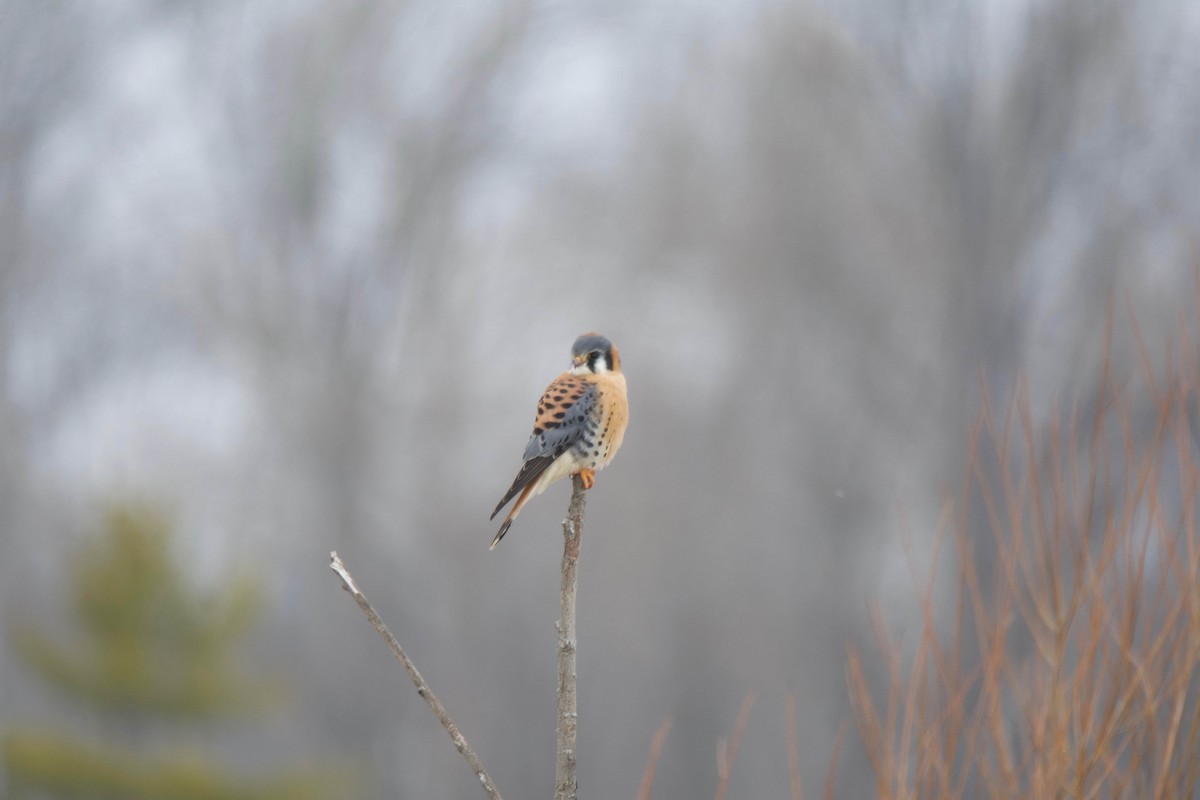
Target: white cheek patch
<point>600,366</point>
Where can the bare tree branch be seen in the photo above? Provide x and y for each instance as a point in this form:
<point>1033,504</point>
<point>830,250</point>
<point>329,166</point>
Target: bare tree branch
<point>564,767</point>
<point>423,689</point>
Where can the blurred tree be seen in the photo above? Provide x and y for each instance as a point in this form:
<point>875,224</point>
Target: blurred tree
<point>151,649</point>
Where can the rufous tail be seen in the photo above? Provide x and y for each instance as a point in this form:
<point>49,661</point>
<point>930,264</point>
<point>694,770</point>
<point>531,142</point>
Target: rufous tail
<point>516,509</point>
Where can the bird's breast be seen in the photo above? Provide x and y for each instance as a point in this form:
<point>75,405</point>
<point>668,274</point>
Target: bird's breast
<point>605,427</point>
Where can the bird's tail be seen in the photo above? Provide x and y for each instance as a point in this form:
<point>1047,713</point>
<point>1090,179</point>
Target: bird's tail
<point>512,515</point>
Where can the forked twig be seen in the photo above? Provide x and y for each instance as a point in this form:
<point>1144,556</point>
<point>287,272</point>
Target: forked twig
<point>435,705</point>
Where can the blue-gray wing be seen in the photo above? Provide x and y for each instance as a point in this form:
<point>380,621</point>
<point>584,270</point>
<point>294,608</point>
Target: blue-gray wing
<point>564,413</point>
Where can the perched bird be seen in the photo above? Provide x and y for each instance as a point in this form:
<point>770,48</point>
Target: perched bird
<point>579,426</point>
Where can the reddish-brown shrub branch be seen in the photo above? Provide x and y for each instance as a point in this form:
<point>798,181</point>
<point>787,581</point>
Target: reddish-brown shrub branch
<point>1070,665</point>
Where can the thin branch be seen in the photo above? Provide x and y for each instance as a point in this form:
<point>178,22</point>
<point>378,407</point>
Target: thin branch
<point>831,775</point>
<point>564,767</point>
<point>656,746</point>
<point>727,751</point>
<point>423,689</point>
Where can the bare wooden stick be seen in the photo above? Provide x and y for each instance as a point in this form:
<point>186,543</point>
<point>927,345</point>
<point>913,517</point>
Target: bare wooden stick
<point>423,689</point>
<point>564,766</point>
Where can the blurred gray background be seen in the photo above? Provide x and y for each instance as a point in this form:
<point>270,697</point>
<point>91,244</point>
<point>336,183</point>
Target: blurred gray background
<point>298,271</point>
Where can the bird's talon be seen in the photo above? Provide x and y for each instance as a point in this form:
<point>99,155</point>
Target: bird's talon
<point>588,478</point>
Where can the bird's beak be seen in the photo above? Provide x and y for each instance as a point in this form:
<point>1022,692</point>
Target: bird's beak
<point>579,360</point>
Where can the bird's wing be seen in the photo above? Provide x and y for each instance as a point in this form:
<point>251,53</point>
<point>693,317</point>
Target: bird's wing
<point>562,418</point>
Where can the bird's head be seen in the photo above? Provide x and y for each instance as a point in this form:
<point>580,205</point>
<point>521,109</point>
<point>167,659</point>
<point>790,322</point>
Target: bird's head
<point>594,353</point>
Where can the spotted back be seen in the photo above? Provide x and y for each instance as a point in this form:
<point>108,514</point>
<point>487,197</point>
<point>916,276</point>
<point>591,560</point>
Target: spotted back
<point>564,416</point>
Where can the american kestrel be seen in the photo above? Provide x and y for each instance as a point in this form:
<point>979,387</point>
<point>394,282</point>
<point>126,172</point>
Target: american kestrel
<point>579,426</point>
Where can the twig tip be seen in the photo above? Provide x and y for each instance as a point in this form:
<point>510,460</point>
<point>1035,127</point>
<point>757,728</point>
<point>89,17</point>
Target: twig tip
<point>335,564</point>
